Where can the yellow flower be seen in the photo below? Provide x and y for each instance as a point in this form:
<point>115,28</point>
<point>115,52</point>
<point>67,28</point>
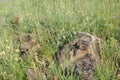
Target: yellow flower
<point>7,40</point>
<point>2,53</point>
<point>16,59</point>
<point>8,47</point>
<point>17,50</point>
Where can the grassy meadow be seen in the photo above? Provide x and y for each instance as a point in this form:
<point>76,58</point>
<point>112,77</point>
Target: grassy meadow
<point>55,23</point>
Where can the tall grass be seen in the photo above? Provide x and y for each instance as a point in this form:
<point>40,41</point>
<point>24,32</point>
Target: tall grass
<point>56,22</point>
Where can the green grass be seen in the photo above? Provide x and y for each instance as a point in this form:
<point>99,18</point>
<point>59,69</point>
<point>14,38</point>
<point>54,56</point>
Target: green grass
<point>56,22</point>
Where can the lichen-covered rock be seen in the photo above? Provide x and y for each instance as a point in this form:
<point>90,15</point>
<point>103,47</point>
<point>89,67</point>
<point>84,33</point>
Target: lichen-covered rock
<point>84,53</point>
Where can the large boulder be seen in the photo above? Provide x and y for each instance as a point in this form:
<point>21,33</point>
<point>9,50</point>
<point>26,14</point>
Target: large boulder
<point>82,55</point>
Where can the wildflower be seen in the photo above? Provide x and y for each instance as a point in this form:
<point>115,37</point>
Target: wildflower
<point>17,50</point>
<point>2,53</point>
<point>21,19</point>
<point>7,40</point>
<point>16,59</point>
<point>8,47</point>
<point>58,43</point>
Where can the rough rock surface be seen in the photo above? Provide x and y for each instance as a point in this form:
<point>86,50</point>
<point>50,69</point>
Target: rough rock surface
<point>81,55</point>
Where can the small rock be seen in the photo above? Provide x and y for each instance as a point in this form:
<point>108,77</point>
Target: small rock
<point>29,46</point>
